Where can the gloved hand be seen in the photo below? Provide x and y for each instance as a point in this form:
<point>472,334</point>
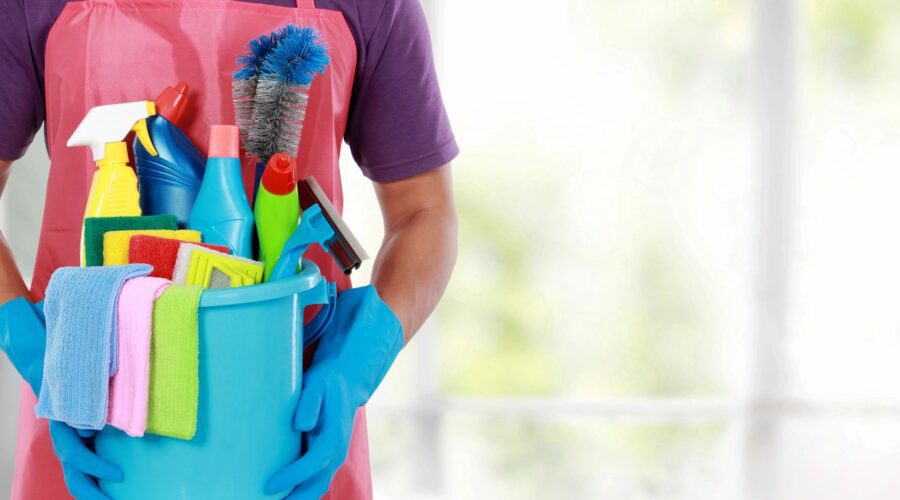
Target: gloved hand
<point>80,464</point>
<point>23,338</point>
<point>352,358</point>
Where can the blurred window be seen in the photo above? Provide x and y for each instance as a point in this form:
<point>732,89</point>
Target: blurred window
<point>676,267</point>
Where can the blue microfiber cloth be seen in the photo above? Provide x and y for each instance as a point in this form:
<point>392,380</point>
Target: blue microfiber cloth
<point>80,307</point>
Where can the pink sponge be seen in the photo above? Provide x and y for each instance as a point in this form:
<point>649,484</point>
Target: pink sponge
<point>161,253</point>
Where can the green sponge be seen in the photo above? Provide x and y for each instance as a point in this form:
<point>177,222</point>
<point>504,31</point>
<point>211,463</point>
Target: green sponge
<point>96,227</point>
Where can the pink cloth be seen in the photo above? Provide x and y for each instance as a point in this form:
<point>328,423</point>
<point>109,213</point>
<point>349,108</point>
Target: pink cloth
<point>129,388</point>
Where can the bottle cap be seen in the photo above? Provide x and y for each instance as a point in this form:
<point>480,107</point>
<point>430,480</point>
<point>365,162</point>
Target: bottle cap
<point>172,102</point>
<point>224,141</point>
<point>279,175</point>
<point>115,153</point>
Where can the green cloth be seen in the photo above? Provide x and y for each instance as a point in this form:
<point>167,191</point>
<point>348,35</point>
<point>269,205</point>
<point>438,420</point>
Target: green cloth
<point>174,364</point>
<point>96,227</point>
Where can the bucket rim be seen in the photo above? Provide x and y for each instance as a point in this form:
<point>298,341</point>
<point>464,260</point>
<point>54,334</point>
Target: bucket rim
<point>305,280</point>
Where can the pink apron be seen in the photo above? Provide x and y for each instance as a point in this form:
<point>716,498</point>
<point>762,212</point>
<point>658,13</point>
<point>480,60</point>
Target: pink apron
<point>106,51</point>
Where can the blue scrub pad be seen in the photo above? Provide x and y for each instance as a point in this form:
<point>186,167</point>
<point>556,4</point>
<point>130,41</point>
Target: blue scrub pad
<point>80,307</point>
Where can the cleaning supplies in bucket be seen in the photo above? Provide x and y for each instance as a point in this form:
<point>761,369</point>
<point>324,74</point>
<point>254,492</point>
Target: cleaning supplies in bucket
<point>170,178</point>
<point>343,246</point>
<point>80,307</point>
<point>277,209</point>
<point>211,269</point>
<point>313,228</point>
<point>114,189</point>
<point>174,370</point>
<point>250,380</point>
<point>221,212</point>
<point>271,90</point>
<point>96,227</point>
<point>161,253</point>
<point>116,244</point>
<point>129,389</point>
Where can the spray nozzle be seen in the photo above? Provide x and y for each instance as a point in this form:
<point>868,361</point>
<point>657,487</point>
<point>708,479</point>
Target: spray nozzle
<point>172,102</point>
<point>111,123</point>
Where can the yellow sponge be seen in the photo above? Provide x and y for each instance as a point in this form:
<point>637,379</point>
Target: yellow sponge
<point>115,243</point>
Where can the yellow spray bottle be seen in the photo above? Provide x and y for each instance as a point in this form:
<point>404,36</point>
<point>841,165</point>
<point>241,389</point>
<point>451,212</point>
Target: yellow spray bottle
<point>114,190</point>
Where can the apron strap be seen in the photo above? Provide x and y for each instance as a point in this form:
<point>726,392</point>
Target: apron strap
<point>301,4</point>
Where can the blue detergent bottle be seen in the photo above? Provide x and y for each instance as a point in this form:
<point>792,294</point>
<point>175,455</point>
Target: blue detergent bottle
<point>221,211</point>
<point>169,181</point>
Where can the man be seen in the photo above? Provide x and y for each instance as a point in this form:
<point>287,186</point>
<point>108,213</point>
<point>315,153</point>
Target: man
<point>380,95</point>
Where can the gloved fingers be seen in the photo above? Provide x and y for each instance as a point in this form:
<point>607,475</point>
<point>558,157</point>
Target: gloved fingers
<point>310,464</point>
<point>81,486</point>
<point>328,446</point>
<point>72,452</point>
<point>338,413</point>
<point>86,433</point>
<point>314,488</point>
<point>310,405</point>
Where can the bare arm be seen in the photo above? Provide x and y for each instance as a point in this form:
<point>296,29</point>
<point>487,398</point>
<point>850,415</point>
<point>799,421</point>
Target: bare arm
<point>11,283</point>
<point>419,248</point>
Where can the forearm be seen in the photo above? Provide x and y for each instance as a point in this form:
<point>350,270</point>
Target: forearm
<point>414,267</point>
<point>419,249</point>
<point>11,284</point>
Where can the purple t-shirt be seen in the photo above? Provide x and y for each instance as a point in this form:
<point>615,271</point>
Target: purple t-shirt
<point>397,126</point>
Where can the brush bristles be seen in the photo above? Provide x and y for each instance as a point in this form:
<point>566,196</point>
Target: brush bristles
<point>242,94</point>
<point>243,85</point>
<point>271,90</point>
<point>278,116</point>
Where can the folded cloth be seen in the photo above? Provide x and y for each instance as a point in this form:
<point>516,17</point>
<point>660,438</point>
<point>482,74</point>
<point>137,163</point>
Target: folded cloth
<point>174,364</point>
<point>161,253</point>
<point>116,243</point>
<point>96,227</point>
<point>80,307</point>
<point>210,269</point>
<point>115,253</point>
<point>129,389</point>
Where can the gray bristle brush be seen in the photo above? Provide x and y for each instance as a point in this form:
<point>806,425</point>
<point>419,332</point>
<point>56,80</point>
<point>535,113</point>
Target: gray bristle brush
<point>244,82</point>
<point>293,59</point>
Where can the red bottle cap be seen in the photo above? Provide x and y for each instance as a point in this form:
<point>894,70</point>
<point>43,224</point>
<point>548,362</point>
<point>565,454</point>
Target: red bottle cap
<point>224,141</point>
<point>172,102</point>
<point>279,175</point>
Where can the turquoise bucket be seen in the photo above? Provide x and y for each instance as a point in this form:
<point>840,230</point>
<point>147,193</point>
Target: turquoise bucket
<point>251,365</point>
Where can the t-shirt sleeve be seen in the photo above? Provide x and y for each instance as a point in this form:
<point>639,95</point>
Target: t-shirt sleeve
<point>21,99</point>
<point>398,126</point>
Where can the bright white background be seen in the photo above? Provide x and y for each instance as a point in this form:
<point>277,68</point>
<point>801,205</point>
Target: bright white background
<point>678,257</point>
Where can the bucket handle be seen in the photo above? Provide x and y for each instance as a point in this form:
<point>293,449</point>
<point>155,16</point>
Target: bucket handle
<point>323,318</point>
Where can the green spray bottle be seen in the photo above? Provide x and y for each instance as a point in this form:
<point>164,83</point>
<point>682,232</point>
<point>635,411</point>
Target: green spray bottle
<point>276,209</point>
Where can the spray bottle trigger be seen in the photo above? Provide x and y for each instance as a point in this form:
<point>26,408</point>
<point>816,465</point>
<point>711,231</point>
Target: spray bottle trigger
<point>140,129</point>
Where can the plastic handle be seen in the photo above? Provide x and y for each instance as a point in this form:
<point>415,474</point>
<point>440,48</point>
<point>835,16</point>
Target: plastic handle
<point>313,228</point>
<point>143,135</point>
<point>315,328</point>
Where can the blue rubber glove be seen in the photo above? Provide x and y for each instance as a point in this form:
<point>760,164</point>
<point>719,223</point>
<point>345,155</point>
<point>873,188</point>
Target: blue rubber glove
<point>23,338</point>
<point>80,464</point>
<point>352,358</point>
